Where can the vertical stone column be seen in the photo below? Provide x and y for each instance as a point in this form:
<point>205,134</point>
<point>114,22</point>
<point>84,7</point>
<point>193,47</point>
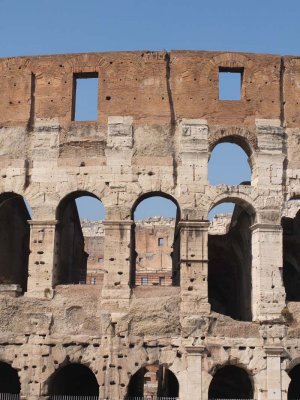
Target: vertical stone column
<point>193,387</point>
<point>116,289</point>
<point>268,162</point>
<point>274,372</point>
<point>268,295</point>
<point>41,259</point>
<point>193,267</point>
<point>194,155</point>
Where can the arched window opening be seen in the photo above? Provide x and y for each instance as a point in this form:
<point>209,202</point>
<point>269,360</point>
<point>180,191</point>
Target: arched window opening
<point>79,240</point>
<point>152,382</point>
<point>291,257</point>
<point>230,382</point>
<point>74,380</point>
<point>14,239</point>
<point>230,261</point>
<point>294,386</point>
<point>155,242</point>
<point>229,164</point>
<point>9,380</point>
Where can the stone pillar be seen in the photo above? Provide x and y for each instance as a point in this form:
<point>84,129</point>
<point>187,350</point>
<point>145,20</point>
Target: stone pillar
<point>268,295</point>
<point>268,161</point>
<point>274,372</point>
<point>41,258</point>
<point>193,267</point>
<point>193,169</point>
<point>193,387</point>
<point>116,289</point>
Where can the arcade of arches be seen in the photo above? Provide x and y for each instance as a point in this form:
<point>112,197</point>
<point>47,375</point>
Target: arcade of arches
<point>150,382</point>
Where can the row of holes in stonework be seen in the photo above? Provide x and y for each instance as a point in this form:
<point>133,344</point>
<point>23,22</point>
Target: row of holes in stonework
<point>152,252</point>
<point>228,382</point>
<point>85,92</point>
<point>228,165</point>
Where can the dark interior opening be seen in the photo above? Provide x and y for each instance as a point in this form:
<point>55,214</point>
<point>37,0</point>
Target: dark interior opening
<point>230,382</point>
<point>71,266</point>
<point>153,381</point>
<point>229,268</point>
<point>291,257</point>
<point>294,386</point>
<point>14,240</point>
<point>74,380</point>
<point>9,379</point>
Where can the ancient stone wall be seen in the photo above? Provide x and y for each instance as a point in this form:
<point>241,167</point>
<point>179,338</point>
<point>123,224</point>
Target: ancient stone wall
<point>159,119</point>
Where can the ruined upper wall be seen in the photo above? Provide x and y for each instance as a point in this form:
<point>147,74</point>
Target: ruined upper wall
<point>152,87</point>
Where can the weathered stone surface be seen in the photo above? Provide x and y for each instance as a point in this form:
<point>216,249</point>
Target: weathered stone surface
<point>159,119</point>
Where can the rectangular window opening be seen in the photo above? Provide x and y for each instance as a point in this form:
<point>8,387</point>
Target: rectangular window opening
<point>85,97</point>
<point>144,280</point>
<point>161,280</point>
<point>230,83</point>
<point>160,242</point>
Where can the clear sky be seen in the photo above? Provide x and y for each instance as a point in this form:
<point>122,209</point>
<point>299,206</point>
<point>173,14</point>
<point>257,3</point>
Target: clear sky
<point>31,27</point>
<point>61,26</point>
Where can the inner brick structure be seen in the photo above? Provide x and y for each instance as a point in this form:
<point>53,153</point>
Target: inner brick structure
<point>229,325</point>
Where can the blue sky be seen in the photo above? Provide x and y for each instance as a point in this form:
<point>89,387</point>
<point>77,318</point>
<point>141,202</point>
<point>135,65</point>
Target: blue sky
<point>71,26</point>
<point>61,26</point>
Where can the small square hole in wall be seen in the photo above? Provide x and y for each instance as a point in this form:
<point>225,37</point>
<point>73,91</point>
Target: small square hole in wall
<point>161,280</point>
<point>230,83</point>
<point>160,242</point>
<point>85,97</point>
<point>144,280</point>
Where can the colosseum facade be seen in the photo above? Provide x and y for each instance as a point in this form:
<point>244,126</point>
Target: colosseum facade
<point>229,325</point>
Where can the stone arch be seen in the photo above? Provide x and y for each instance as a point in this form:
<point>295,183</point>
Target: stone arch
<point>239,198</point>
<point>161,250</point>
<point>73,196</point>
<point>73,379</point>
<point>98,191</point>
<point>241,136</point>
<point>159,193</point>
<point>153,380</point>
<point>71,257</point>
<point>9,379</point>
<point>232,60</point>
<point>231,382</point>
<point>238,147</point>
